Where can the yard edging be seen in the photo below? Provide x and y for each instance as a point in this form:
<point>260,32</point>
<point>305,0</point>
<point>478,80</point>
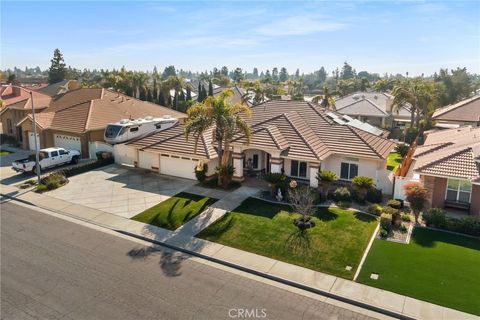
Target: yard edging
<point>365,254</point>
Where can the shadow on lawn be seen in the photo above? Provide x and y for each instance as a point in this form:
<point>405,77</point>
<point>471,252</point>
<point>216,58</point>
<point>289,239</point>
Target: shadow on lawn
<point>364,217</point>
<point>429,238</point>
<point>325,215</point>
<point>299,240</point>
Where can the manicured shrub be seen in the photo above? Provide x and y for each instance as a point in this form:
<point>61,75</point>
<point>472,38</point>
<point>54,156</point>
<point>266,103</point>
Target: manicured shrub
<point>403,228</point>
<point>383,232</point>
<point>402,149</point>
<point>416,195</point>
<point>342,194</point>
<point>467,225</point>
<point>386,221</point>
<point>362,184</point>
<point>276,180</point>
<point>375,209</point>
<point>52,185</point>
<point>435,217</point>
<point>389,210</point>
<point>201,172</point>
<point>394,204</point>
<point>406,217</point>
<point>325,178</point>
<point>374,195</point>
<point>41,188</point>
<point>31,182</point>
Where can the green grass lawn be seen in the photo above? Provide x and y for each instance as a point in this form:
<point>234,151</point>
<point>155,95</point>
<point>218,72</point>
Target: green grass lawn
<point>4,152</point>
<point>393,161</point>
<point>436,266</point>
<point>338,239</point>
<point>176,211</point>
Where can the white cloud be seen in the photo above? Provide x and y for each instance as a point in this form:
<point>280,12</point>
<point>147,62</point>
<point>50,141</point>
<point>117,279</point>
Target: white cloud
<point>299,25</point>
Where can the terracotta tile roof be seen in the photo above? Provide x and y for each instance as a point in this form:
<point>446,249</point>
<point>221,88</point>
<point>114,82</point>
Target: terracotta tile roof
<point>450,153</point>
<point>22,101</point>
<point>333,137</point>
<point>173,141</point>
<point>370,104</point>
<point>467,110</point>
<point>87,109</point>
<point>266,137</point>
<point>363,107</point>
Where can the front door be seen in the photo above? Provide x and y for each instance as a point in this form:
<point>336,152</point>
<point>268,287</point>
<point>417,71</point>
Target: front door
<point>268,163</point>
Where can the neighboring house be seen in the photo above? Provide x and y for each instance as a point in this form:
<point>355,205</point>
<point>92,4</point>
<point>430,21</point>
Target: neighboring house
<point>294,137</point>
<point>448,165</point>
<point>77,118</point>
<point>16,104</point>
<point>465,112</point>
<point>60,87</point>
<point>376,108</point>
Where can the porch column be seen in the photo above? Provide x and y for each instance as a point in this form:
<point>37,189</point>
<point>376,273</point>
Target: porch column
<point>313,167</point>
<point>238,164</point>
<point>276,165</point>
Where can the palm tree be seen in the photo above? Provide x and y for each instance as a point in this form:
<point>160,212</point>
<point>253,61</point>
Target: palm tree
<point>175,83</point>
<point>139,80</point>
<point>417,94</point>
<point>326,100</point>
<point>256,91</point>
<point>226,120</point>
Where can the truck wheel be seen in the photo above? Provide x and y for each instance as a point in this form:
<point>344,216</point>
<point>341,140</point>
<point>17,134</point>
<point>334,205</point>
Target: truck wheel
<point>74,160</point>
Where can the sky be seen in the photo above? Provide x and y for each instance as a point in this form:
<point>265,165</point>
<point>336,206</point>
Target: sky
<point>383,36</point>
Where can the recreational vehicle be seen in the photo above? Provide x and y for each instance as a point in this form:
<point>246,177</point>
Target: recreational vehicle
<point>128,129</point>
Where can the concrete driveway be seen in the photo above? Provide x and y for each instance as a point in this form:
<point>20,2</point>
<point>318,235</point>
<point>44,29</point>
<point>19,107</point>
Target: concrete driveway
<point>120,190</point>
<point>7,175</point>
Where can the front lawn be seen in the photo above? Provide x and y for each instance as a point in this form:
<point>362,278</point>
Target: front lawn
<point>175,211</point>
<point>393,161</point>
<point>436,266</point>
<point>338,239</point>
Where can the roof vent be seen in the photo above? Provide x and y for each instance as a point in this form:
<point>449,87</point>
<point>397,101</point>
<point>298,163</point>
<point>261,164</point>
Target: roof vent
<point>356,97</point>
<point>375,97</point>
<point>148,118</point>
<point>167,116</point>
<point>123,121</point>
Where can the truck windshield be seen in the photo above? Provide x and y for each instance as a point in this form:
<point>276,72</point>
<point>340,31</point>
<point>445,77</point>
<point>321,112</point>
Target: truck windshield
<point>112,131</point>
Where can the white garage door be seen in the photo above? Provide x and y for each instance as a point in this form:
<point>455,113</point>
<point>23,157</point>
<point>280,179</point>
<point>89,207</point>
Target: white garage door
<point>67,142</point>
<point>124,154</point>
<point>31,141</point>
<point>147,160</point>
<point>178,167</point>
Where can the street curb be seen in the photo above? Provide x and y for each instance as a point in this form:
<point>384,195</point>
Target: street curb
<point>297,285</point>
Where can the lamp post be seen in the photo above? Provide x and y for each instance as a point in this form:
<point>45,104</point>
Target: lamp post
<point>37,151</point>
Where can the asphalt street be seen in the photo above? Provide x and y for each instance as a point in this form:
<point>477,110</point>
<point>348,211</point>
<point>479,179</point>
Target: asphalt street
<point>56,269</point>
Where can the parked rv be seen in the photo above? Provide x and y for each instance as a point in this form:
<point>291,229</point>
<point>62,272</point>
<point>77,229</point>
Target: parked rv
<point>128,129</point>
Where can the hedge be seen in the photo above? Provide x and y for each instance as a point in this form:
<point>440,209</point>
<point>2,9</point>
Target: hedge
<point>436,217</point>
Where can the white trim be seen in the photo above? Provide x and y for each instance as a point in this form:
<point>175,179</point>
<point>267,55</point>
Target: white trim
<point>349,164</point>
<point>458,190</point>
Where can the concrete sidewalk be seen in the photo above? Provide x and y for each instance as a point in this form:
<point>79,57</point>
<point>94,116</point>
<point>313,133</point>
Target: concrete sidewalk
<point>329,285</point>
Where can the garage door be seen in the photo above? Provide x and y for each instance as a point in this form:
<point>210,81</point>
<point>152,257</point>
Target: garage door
<point>124,154</point>
<point>147,160</point>
<point>178,167</point>
<point>67,142</point>
<point>31,141</point>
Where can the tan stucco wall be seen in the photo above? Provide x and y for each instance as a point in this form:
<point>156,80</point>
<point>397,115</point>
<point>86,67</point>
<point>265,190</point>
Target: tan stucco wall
<point>366,167</point>
<point>15,116</point>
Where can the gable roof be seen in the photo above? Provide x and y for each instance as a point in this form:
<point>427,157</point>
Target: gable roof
<point>467,110</point>
<point>87,109</point>
<point>375,104</point>
<point>312,134</point>
<point>173,141</point>
<point>450,153</point>
<point>22,101</point>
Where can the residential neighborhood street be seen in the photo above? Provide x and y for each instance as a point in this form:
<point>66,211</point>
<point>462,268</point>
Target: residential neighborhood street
<point>56,269</point>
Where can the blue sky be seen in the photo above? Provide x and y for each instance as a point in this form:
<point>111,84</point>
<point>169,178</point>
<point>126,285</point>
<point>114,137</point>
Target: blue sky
<point>394,37</point>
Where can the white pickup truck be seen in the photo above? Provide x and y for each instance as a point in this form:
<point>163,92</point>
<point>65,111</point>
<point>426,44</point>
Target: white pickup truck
<point>49,157</point>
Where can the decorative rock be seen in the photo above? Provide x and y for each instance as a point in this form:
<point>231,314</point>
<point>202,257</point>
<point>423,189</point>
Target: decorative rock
<point>374,276</point>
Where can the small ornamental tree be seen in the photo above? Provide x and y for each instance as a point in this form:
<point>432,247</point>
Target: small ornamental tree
<point>325,178</point>
<point>302,201</point>
<point>416,195</point>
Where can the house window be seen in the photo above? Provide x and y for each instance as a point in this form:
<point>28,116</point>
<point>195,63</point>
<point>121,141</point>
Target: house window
<point>348,171</point>
<point>298,169</point>
<point>255,161</point>
<point>459,190</point>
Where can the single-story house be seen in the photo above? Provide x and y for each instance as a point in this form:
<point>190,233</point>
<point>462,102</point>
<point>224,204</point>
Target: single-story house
<point>294,137</point>
<point>465,112</point>
<point>448,165</point>
<point>77,119</point>
<point>375,108</point>
<point>16,105</point>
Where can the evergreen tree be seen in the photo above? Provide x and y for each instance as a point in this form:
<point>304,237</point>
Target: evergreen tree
<point>204,93</point>
<point>57,71</point>
<point>255,73</point>
<point>297,74</point>
<point>275,74</point>
<point>224,71</point>
<point>347,71</point>
<point>322,75</point>
<point>169,71</point>
<point>210,88</point>
<point>283,74</point>
<point>199,92</point>
<point>161,99</point>
<point>189,94</point>
<point>237,75</point>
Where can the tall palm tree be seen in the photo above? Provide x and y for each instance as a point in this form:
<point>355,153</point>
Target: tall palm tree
<point>255,91</point>
<point>415,93</point>
<point>225,119</point>
<point>177,84</point>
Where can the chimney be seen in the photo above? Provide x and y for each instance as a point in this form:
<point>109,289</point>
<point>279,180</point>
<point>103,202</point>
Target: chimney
<point>16,91</point>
